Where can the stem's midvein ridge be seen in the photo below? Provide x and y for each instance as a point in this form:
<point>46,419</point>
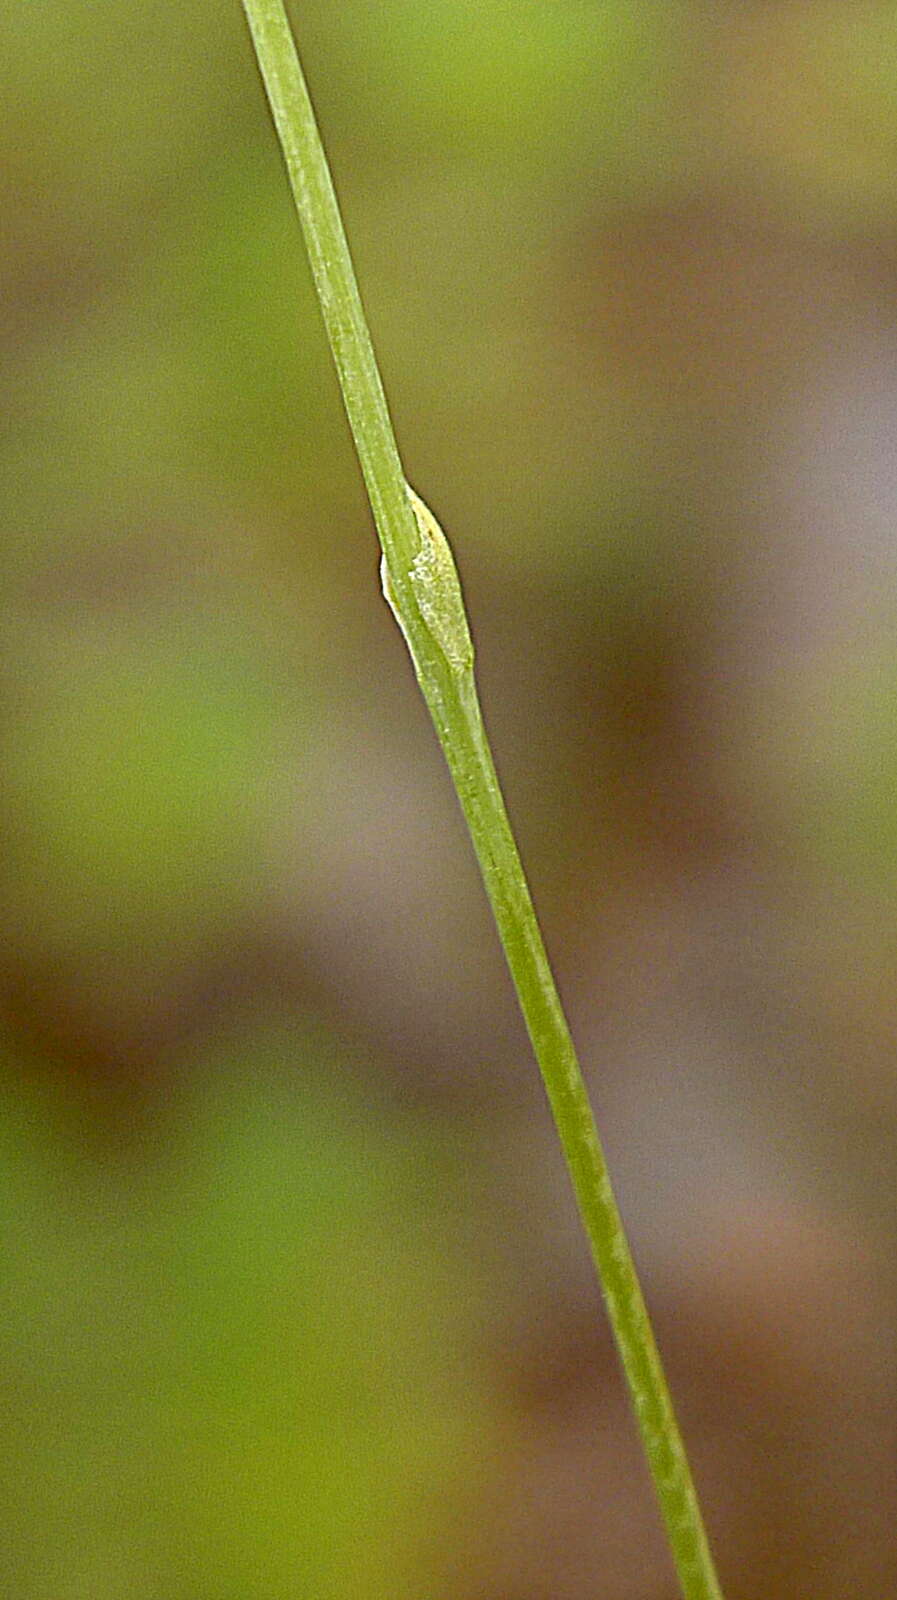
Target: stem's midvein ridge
<point>422,586</point>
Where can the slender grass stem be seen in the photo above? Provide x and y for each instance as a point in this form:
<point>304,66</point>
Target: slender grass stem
<point>421,584</point>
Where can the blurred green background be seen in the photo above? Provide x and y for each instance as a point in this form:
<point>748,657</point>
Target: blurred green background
<point>294,1303</point>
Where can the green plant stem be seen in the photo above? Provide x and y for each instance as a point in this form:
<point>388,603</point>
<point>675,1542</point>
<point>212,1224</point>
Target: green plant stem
<point>446,678</point>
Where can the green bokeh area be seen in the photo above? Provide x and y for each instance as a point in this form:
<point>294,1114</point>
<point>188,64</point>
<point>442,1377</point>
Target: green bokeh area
<point>212,1385</point>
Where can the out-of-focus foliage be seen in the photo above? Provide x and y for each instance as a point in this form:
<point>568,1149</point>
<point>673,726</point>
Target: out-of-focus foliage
<point>212,1385</point>
<point>629,266</point>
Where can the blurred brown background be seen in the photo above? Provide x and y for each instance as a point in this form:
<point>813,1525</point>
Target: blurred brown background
<point>294,1302</point>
